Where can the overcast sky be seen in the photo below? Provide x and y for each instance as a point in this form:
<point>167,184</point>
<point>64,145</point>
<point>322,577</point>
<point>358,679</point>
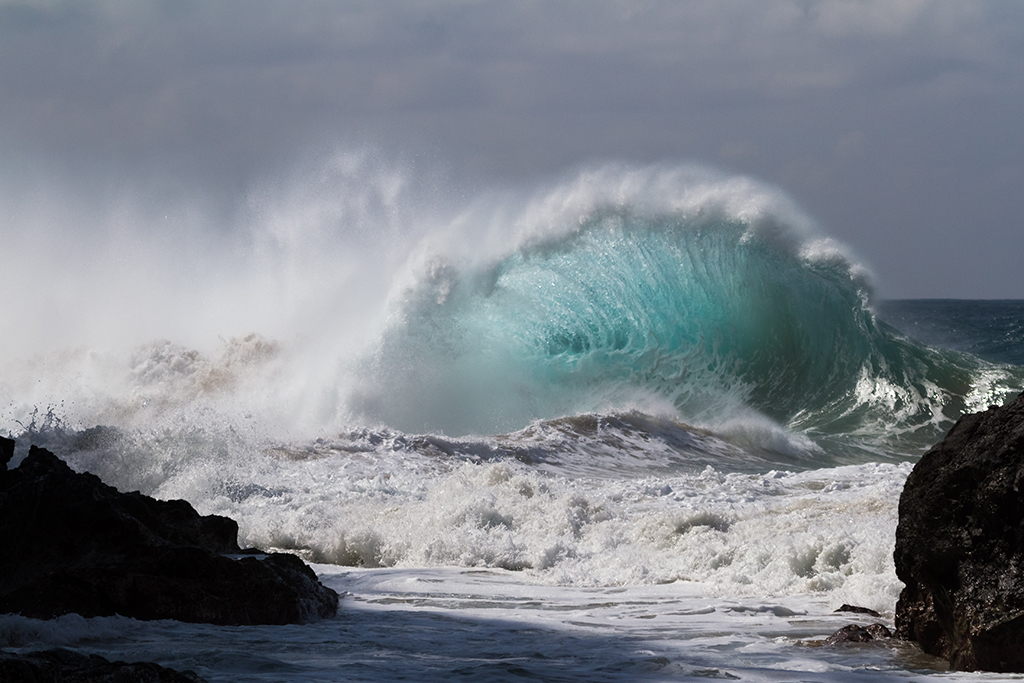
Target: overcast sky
<point>897,124</point>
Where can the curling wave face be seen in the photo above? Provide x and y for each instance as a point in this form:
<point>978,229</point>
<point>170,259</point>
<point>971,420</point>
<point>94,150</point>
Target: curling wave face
<point>709,300</point>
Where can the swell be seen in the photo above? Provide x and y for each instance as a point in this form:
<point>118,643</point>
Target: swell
<point>989,329</point>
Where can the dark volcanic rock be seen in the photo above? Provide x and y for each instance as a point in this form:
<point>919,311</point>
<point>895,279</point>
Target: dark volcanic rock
<point>6,451</point>
<point>858,610</point>
<point>65,666</point>
<point>859,634</point>
<point>73,544</point>
<point>960,544</point>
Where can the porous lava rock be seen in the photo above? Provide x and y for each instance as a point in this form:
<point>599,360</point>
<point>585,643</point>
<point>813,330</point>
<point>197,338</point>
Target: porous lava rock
<point>960,544</point>
<point>67,666</point>
<point>73,544</point>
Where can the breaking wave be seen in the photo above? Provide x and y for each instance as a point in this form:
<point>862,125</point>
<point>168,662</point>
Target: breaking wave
<point>707,299</point>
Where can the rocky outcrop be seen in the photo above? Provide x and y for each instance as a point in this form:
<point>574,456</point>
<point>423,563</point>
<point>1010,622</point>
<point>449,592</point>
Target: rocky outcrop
<point>960,544</point>
<point>66,666</point>
<point>73,544</point>
<point>6,452</point>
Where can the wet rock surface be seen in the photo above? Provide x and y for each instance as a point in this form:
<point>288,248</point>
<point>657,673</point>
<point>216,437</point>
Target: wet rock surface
<point>960,544</point>
<point>855,633</point>
<point>74,544</point>
<point>6,451</point>
<point>66,666</point>
<point>857,610</point>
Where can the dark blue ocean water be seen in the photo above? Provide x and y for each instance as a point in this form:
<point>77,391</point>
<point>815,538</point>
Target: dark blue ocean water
<point>989,329</point>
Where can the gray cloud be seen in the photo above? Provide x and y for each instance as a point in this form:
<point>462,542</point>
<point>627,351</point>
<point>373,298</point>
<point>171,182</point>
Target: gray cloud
<point>895,122</point>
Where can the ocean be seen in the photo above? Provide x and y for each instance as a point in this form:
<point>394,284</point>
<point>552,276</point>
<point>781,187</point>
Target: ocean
<point>633,424</point>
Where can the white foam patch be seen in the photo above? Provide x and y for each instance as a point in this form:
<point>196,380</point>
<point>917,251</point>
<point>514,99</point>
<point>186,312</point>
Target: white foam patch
<point>827,531</point>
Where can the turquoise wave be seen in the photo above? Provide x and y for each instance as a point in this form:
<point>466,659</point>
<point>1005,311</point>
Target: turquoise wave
<point>702,315</point>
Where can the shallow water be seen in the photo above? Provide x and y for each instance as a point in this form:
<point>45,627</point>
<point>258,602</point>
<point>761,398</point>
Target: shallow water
<point>487,624</point>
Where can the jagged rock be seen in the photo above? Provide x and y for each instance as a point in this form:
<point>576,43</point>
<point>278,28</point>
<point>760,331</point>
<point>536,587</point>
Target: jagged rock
<point>857,610</point>
<point>854,633</point>
<point>6,451</point>
<point>66,666</point>
<point>73,544</point>
<point>960,544</point>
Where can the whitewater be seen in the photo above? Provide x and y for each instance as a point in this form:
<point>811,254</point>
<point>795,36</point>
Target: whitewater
<point>631,423</point>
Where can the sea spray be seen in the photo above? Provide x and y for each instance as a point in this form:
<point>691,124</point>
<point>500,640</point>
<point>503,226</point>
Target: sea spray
<point>106,284</point>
